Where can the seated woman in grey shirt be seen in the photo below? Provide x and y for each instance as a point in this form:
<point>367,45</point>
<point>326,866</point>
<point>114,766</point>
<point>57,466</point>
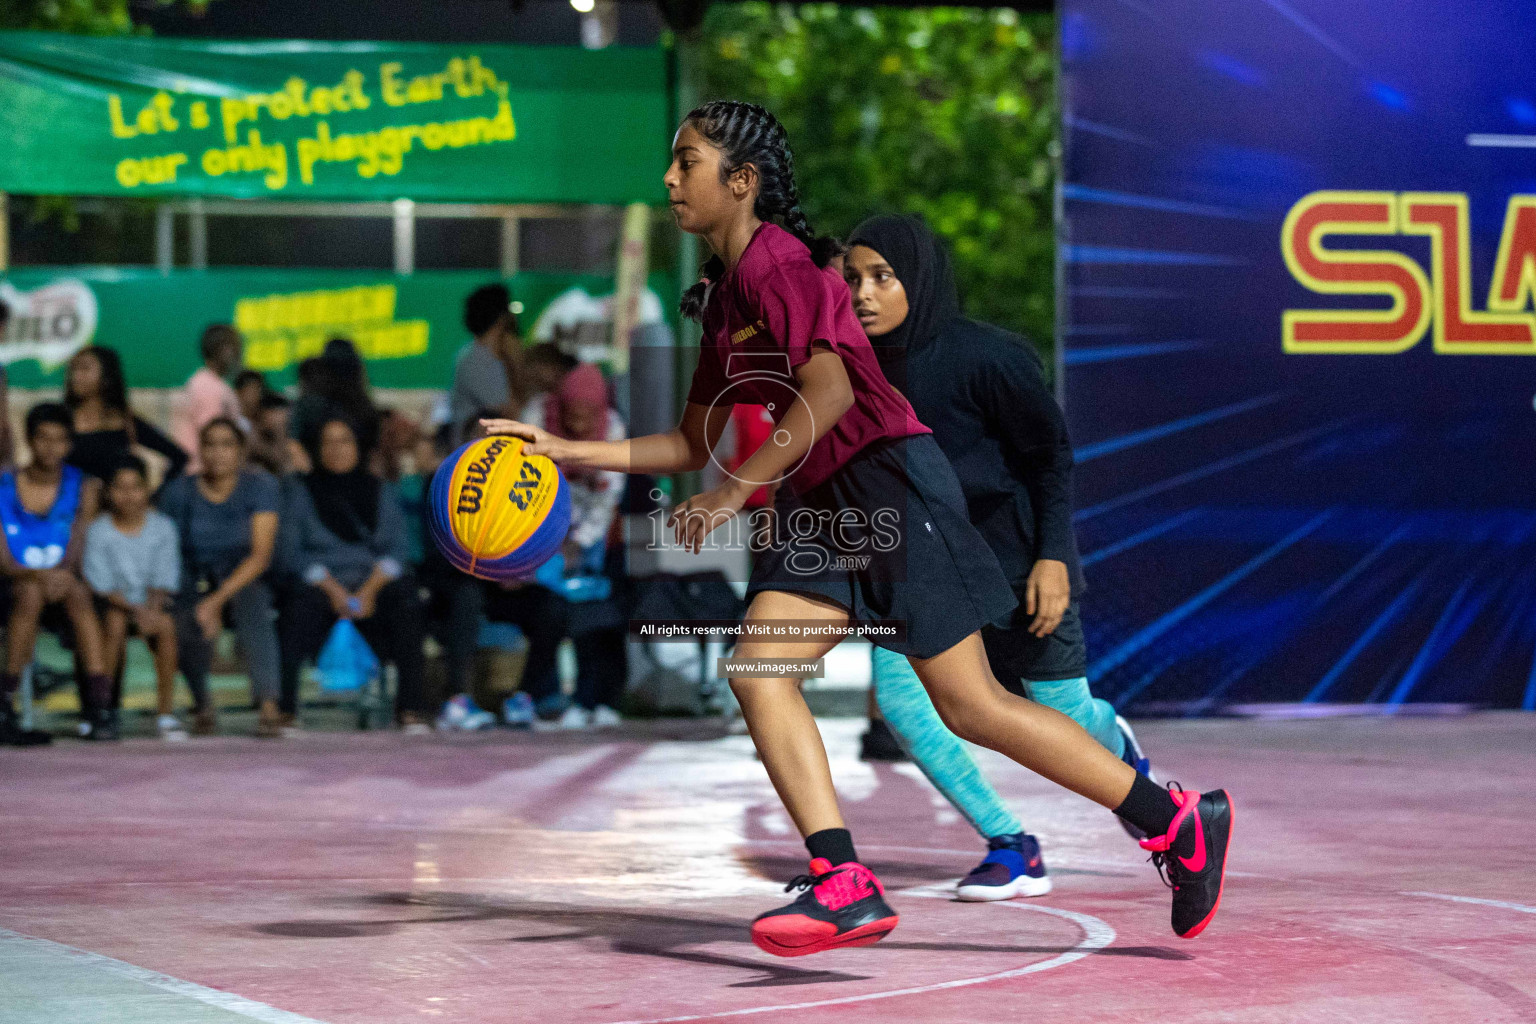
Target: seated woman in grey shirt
<point>226,517</point>
<point>345,541</point>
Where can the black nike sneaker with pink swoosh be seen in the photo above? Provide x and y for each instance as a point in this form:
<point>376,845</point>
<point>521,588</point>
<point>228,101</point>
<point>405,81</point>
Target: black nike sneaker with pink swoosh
<point>1192,856</point>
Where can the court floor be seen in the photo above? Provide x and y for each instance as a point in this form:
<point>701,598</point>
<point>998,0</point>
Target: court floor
<point>1382,871</point>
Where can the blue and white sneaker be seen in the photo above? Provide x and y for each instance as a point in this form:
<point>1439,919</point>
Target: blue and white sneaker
<point>517,711</point>
<point>1136,758</point>
<point>460,714</point>
<point>1014,867</point>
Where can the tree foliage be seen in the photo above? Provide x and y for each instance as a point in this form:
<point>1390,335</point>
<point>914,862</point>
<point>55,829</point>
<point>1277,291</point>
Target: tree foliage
<point>81,17</point>
<point>945,112</point>
<point>85,17</point>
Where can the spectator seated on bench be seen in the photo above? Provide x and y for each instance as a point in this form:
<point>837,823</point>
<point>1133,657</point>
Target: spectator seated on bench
<point>45,510</point>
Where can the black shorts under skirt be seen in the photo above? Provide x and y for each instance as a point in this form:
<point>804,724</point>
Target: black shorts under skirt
<point>1018,655</point>
<point>887,538</point>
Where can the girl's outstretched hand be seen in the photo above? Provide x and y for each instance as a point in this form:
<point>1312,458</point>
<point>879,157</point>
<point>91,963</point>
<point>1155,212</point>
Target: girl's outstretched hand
<point>693,520</point>
<point>538,440</point>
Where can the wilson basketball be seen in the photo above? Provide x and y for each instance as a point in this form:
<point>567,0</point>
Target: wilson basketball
<point>496,513</point>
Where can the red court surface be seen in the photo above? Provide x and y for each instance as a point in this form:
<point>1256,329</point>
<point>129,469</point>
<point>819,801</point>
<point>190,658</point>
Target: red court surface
<point>1382,871</point>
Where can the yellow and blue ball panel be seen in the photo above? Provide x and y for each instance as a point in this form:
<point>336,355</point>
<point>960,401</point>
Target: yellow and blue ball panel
<point>496,513</point>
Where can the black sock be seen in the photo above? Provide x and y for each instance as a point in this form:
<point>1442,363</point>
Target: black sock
<point>835,844</point>
<point>99,686</point>
<point>1149,807</point>
<point>1006,841</point>
<point>9,684</point>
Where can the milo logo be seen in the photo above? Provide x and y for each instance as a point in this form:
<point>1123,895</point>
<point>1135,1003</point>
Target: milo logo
<point>475,476</point>
<point>50,323</point>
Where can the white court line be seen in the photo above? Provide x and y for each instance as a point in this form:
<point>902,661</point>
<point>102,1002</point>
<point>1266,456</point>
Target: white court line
<point>211,996</point>
<point>1095,862</point>
<point>1066,864</point>
<point>1096,935</point>
<point>1501,904</point>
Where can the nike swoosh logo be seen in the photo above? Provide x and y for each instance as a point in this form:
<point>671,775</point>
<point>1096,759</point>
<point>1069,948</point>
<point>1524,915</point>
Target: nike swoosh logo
<point>1196,864</point>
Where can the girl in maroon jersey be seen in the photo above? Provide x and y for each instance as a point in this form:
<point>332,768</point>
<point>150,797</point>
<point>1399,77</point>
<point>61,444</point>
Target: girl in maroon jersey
<point>869,527</point>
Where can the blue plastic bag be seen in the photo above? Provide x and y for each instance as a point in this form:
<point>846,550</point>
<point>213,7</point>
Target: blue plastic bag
<point>577,589</point>
<point>581,589</point>
<point>551,573</point>
<point>346,661</point>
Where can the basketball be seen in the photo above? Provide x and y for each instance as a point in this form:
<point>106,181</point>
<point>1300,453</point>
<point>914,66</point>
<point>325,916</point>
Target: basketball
<point>496,513</point>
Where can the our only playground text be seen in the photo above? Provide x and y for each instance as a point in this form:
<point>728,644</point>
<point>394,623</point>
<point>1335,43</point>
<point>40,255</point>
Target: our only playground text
<point>374,151</point>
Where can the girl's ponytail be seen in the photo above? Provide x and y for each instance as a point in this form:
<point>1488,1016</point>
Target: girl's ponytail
<point>692,304</point>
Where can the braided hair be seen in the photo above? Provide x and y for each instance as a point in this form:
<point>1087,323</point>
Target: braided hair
<point>746,133</point>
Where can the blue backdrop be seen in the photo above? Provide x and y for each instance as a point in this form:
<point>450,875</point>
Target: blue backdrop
<point>1340,510</point>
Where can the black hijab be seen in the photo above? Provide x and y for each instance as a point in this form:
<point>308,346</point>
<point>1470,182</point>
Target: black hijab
<point>347,503</point>
<point>922,267</point>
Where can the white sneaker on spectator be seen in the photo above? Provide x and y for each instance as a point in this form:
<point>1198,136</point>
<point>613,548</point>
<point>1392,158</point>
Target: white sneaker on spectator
<point>576,717</point>
<point>604,717</point>
<point>170,728</point>
<point>463,715</point>
<point>416,729</point>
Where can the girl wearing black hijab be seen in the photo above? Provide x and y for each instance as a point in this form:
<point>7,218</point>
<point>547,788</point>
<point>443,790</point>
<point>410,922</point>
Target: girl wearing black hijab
<point>345,538</point>
<point>334,383</point>
<point>982,392</point>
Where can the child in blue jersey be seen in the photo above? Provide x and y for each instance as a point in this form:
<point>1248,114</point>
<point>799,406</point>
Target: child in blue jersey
<point>45,510</point>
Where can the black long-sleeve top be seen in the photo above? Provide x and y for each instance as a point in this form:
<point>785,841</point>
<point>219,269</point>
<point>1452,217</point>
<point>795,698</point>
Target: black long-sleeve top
<point>98,452</point>
<point>982,391</point>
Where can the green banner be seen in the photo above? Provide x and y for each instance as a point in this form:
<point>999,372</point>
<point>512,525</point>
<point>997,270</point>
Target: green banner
<point>313,120</point>
<point>408,329</point>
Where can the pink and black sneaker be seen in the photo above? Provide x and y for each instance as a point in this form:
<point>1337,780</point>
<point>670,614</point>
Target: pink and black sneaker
<point>1192,856</point>
<point>841,906</point>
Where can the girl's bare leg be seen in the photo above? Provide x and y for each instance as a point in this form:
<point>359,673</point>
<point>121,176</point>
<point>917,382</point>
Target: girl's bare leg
<point>163,644</point>
<point>114,639</point>
<point>26,611</point>
<point>776,714</point>
<point>82,618</point>
<point>975,707</point>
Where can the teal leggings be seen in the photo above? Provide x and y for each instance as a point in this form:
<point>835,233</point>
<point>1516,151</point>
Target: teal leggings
<point>941,755</point>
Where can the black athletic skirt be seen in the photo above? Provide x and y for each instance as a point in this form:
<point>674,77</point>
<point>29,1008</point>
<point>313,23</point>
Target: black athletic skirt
<point>887,538</point>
